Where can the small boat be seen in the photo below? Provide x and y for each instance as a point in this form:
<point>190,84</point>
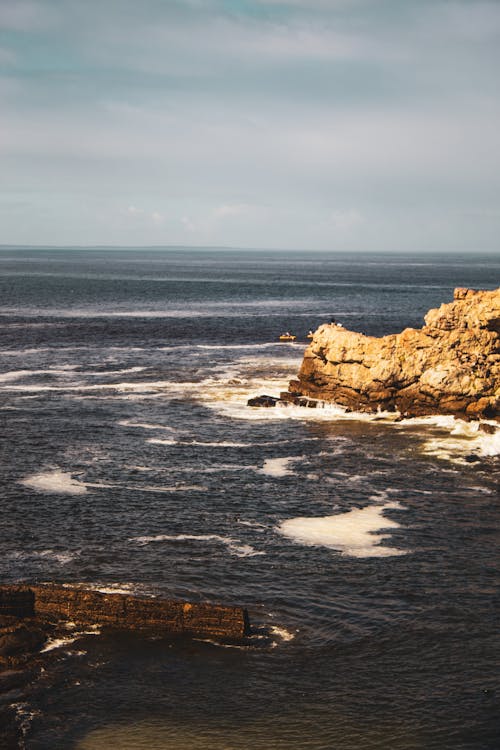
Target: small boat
<point>310,335</point>
<point>287,337</point>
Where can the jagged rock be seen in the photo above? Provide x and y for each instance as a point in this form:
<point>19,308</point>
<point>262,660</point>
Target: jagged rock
<point>449,366</point>
<point>265,401</point>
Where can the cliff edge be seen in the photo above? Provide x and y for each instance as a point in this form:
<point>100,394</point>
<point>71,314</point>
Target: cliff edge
<point>449,366</point>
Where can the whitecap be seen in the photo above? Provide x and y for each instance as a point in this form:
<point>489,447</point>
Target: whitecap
<point>357,533</point>
<point>55,481</point>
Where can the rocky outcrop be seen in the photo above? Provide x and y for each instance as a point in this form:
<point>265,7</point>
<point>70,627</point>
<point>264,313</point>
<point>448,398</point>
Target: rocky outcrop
<point>30,615</point>
<point>449,366</point>
<point>124,611</point>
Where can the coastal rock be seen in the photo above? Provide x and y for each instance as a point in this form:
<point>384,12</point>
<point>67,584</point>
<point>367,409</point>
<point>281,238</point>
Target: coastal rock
<point>52,604</point>
<point>449,366</point>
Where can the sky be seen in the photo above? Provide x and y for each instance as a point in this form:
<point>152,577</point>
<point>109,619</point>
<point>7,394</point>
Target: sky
<point>345,125</point>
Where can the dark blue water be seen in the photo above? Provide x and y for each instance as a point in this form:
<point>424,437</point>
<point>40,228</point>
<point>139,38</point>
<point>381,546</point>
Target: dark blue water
<point>129,460</point>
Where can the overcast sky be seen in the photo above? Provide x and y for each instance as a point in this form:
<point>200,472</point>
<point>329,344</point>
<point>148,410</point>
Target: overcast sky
<point>308,124</point>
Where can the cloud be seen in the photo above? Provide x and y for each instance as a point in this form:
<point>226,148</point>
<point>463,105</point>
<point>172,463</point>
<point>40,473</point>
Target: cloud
<point>26,16</point>
<point>134,211</point>
<point>271,123</point>
<point>155,217</point>
<point>228,210</point>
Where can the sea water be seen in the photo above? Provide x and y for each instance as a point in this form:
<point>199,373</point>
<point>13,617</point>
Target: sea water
<point>364,548</point>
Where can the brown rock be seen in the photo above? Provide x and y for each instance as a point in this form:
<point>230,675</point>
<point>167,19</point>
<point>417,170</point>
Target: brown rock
<point>125,611</point>
<point>449,366</point>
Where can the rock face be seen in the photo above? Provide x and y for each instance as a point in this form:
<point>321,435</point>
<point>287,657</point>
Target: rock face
<point>59,603</point>
<point>450,366</point>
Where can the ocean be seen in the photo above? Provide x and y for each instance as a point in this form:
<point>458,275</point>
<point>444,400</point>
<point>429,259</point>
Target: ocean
<point>365,549</point>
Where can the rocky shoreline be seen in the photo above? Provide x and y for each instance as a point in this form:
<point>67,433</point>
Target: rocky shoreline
<point>32,616</point>
<point>449,366</point>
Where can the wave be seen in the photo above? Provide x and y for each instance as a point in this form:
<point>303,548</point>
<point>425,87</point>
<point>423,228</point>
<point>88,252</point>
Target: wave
<point>65,640</point>
<point>234,546</point>
<point>202,444</point>
<point>145,425</point>
<point>62,482</point>
<point>66,371</point>
<point>356,533</point>
<point>62,558</point>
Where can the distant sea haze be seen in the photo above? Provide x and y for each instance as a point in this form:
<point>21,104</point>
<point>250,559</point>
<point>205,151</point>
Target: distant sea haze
<point>362,546</point>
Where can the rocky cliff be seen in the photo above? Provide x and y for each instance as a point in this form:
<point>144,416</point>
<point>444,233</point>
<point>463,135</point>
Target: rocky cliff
<point>449,366</point>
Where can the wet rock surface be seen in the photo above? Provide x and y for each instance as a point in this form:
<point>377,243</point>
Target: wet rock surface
<point>449,366</point>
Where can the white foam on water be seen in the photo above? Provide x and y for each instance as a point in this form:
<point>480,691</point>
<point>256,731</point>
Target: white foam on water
<point>259,527</point>
<point>148,487</point>
<point>282,633</point>
<point>114,588</point>
<point>463,438</point>
<point>131,388</point>
<point>54,643</point>
<point>145,425</point>
<point>213,642</point>
<point>357,533</point>
<point>233,545</point>
<point>66,370</point>
<point>200,443</point>
<point>63,558</point>
<point>222,444</point>
<point>55,481</point>
<point>159,441</point>
<point>104,373</point>
<point>61,641</point>
<point>278,467</point>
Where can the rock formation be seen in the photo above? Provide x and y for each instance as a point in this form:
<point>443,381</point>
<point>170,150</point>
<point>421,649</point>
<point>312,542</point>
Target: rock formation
<point>53,604</point>
<point>449,366</point>
<point>30,615</point>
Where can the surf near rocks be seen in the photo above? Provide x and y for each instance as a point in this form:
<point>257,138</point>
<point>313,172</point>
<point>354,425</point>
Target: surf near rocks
<point>449,366</point>
<point>285,398</point>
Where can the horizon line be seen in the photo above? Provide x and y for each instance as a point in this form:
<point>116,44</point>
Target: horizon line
<point>229,248</point>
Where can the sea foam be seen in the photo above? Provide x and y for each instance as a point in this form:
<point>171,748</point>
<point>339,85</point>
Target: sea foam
<point>55,481</point>
<point>278,467</point>
<point>356,533</point>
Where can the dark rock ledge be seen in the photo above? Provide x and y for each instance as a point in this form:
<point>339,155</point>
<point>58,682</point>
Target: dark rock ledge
<point>30,615</point>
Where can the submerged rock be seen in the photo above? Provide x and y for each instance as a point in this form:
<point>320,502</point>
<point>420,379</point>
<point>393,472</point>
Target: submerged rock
<point>449,366</point>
